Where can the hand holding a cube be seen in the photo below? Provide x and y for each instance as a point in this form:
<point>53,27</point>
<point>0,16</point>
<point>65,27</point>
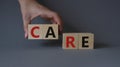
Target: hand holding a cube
<point>31,9</point>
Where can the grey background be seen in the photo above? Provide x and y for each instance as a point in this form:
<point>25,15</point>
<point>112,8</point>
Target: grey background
<point>100,17</point>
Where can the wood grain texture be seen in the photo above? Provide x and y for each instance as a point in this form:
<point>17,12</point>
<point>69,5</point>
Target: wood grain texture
<point>45,30</point>
<point>64,41</point>
<point>36,32</point>
<point>90,40</point>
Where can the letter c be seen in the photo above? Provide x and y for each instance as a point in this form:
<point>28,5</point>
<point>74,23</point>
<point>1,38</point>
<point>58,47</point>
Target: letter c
<point>32,32</point>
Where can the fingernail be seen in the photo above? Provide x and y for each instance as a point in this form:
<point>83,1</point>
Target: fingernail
<point>25,35</point>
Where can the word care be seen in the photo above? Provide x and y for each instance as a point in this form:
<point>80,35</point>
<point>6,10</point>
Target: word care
<point>70,40</point>
<point>43,31</point>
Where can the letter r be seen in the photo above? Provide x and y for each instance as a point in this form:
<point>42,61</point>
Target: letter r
<point>70,41</point>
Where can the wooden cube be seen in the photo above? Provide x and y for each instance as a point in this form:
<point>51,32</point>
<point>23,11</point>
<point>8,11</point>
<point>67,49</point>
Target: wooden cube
<point>42,31</point>
<point>70,41</point>
<point>50,31</point>
<point>35,31</point>
<point>86,40</point>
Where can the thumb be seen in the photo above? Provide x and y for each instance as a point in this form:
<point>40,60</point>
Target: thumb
<point>25,24</point>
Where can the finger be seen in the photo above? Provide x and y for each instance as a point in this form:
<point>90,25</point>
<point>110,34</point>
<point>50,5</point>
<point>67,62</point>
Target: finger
<point>57,20</point>
<point>25,24</point>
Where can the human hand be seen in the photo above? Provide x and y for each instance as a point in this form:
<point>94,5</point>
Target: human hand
<point>31,9</point>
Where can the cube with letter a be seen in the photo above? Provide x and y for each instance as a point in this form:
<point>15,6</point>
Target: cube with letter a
<point>50,31</point>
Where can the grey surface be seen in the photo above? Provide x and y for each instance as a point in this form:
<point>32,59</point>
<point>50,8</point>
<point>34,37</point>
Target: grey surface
<point>100,17</point>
